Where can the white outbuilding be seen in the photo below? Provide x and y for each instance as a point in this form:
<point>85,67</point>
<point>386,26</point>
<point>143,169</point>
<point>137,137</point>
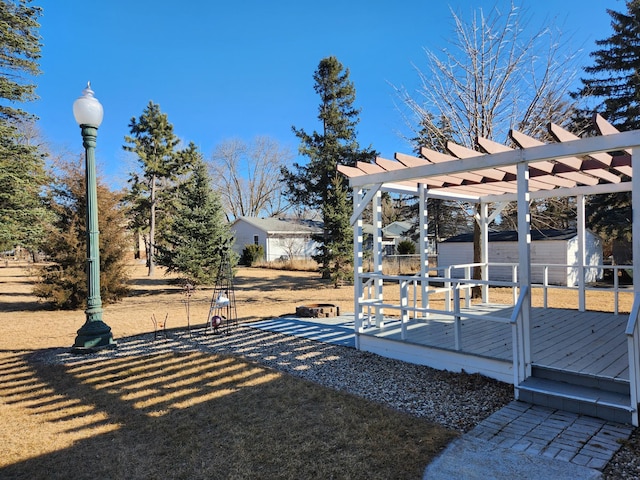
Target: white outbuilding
<point>553,252</point>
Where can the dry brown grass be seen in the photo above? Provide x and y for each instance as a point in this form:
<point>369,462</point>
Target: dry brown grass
<point>195,415</point>
<point>190,415</point>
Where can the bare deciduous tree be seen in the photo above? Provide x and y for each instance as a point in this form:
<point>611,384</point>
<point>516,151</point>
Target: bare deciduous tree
<point>495,77</point>
<point>248,176</point>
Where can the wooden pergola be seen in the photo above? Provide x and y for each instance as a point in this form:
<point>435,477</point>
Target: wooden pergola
<point>571,166</point>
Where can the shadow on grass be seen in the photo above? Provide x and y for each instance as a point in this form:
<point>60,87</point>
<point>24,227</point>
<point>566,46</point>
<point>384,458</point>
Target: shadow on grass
<point>280,280</point>
<point>198,415</point>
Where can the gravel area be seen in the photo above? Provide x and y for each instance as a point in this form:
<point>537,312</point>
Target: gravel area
<point>626,462</point>
<point>455,400</point>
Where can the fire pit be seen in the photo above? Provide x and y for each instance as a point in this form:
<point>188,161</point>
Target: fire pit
<point>317,310</point>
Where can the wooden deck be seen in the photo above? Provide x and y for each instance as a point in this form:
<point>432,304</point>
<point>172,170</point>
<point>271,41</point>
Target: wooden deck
<point>590,343</point>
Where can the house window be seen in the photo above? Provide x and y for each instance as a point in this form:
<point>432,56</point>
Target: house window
<point>255,239</point>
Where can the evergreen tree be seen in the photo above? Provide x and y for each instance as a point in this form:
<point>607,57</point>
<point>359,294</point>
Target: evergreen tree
<point>153,141</point>
<point>198,234</point>
<point>63,281</point>
<point>311,184</point>
<point>615,75</point>
<point>615,82</point>
<point>446,218</point>
<point>339,249</point>
<point>22,215</point>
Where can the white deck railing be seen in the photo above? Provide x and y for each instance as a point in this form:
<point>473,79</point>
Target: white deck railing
<point>519,357</point>
<point>633,347</point>
<point>417,306</point>
<point>545,286</point>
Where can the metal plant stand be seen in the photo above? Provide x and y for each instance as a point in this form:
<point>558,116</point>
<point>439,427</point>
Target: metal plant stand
<point>222,313</point>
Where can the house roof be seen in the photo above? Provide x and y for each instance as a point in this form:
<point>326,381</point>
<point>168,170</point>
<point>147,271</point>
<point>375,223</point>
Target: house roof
<point>278,225</point>
<point>394,229</point>
<point>397,229</point>
<point>512,236</point>
<point>572,165</point>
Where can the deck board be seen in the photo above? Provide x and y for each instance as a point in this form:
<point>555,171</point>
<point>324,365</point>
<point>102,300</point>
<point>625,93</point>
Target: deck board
<point>586,342</point>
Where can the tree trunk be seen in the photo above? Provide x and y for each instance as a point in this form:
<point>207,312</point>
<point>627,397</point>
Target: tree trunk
<point>326,274</point>
<point>152,228</point>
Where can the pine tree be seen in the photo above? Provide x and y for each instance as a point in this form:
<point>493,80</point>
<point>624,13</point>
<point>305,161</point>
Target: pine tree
<point>153,141</point>
<point>22,214</point>
<point>63,281</point>
<point>339,248</point>
<point>446,218</point>
<point>615,82</point>
<point>198,234</point>
<point>615,75</point>
<point>311,184</point>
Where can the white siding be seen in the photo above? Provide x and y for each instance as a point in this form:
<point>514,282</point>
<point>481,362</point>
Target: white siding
<point>543,252</point>
<point>244,234</point>
<point>594,257</point>
<point>295,245</point>
<point>276,244</point>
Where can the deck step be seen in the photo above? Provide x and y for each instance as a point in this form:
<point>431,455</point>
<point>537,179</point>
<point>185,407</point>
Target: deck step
<point>586,400</point>
<point>575,378</point>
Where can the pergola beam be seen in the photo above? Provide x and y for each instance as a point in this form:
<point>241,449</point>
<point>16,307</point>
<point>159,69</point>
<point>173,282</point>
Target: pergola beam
<point>548,152</point>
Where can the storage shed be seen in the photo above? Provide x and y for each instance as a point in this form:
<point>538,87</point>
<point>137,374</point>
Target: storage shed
<point>557,249</point>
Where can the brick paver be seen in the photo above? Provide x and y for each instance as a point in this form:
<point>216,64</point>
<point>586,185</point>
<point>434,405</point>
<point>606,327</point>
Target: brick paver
<point>555,434</point>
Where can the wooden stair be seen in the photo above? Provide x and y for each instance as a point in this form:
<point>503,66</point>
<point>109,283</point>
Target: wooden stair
<point>591,395</point>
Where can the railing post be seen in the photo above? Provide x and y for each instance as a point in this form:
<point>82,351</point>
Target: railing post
<point>404,314</point>
<point>545,283</point>
<point>633,349</point>
<point>457,321</point>
<point>447,286</point>
<point>519,339</point>
<point>467,289</point>
<point>615,289</point>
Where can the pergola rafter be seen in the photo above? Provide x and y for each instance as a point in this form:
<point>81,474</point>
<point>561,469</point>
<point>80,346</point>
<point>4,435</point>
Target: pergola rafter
<point>568,164</point>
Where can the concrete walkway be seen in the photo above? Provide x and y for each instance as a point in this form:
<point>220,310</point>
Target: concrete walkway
<point>520,441</point>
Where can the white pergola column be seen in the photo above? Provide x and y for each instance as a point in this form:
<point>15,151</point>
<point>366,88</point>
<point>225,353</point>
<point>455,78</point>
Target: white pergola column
<point>633,336</point>
<point>484,249</point>
<point>357,266</point>
<point>582,251</point>
<point>524,267</point>
<point>376,205</point>
<point>424,246</point>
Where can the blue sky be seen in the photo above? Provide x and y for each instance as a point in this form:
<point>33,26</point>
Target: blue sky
<point>242,68</point>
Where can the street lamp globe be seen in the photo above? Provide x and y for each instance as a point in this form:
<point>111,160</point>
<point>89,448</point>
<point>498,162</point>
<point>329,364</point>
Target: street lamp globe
<point>87,110</point>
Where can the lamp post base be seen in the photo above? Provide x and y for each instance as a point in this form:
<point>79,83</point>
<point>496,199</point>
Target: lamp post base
<point>93,336</point>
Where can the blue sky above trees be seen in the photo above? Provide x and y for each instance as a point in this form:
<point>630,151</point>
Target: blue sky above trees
<point>241,69</point>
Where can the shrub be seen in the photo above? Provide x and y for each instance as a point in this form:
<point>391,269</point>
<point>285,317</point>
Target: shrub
<point>406,247</point>
<point>63,281</point>
<point>251,254</point>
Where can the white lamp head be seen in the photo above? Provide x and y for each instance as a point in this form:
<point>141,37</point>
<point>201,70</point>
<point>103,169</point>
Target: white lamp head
<point>87,109</point>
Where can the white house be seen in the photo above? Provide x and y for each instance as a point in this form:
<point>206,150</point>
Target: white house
<point>279,238</point>
<point>555,251</point>
<point>392,235</point>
